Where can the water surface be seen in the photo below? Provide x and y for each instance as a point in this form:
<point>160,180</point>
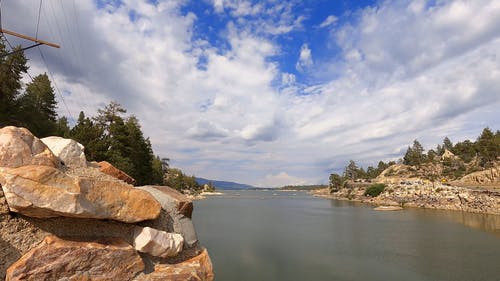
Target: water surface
<point>266,235</point>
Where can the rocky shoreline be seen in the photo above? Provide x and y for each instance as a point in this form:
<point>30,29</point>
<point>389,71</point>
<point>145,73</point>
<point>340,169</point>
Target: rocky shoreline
<point>419,195</point>
<point>63,218</point>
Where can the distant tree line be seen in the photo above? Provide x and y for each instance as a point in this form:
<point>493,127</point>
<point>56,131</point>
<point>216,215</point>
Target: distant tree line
<point>110,136</point>
<point>467,156</point>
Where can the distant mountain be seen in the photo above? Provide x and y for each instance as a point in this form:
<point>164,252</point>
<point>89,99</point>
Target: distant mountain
<point>225,185</point>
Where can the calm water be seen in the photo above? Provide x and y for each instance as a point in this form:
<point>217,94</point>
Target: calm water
<point>258,236</point>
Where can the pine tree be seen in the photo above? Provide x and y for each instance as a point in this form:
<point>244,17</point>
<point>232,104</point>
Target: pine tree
<point>38,106</point>
<point>414,155</point>
<point>141,153</point>
<point>487,147</point>
<point>11,69</point>
<point>62,127</point>
<point>92,137</point>
<point>351,171</point>
<point>447,144</point>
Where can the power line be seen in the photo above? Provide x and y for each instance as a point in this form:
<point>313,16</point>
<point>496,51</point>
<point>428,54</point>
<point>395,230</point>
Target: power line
<point>55,84</point>
<point>38,21</point>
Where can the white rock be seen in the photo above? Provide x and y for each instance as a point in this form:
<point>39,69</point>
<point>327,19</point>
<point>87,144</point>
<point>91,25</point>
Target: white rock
<point>18,147</point>
<point>157,243</point>
<point>68,150</point>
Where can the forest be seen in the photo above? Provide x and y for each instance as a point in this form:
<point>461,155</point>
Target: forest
<point>464,157</point>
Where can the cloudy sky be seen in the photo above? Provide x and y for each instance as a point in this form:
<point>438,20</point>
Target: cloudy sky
<point>274,92</point>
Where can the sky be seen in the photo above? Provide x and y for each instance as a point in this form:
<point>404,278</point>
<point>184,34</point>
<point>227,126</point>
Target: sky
<point>273,92</point>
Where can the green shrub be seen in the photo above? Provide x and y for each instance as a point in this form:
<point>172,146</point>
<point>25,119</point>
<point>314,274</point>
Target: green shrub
<point>375,189</point>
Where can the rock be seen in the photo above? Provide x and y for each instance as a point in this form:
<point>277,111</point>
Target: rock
<point>111,170</point>
<point>157,243</point>
<point>4,209</point>
<point>488,176</point>
<point>57,259</point>
<point>448,155</point>
<point>388,208</point>
<point>179,208</point>
<point>43,191</point>
<point>18,147</point>
<point>198,268</point>
<point>69,151</point>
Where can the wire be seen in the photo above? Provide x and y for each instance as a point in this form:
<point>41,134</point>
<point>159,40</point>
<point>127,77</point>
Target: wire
<point>55,84</point>
<point>38,20</point>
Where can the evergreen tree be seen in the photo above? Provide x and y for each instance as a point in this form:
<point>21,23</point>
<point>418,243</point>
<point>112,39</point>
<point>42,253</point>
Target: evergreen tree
<point>92,137</point>
<point>38,106</point>
<point>466,150</point>
<point>12,68</point>
<point>414,155</point>
<point>447,144</point>
<point>158,172</point>
<point>141,153</point>
<point>351,171</point>
<point>336,182</point>
<point>488,147</point>
<point>62,127</point>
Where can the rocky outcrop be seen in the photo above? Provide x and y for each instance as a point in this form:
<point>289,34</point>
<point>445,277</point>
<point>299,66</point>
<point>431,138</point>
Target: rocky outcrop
<point>111,170</point>
<point>43,191</point>
<point>18,147</point>
<point>198,268</point>
<point>488,176</point>
<point>178,209</point>
<point>98,216</point>
<point>423,195</point>
<point>448,155</point>
<point>68,151</point>
<point>58,259</point>
<point>157,243</point>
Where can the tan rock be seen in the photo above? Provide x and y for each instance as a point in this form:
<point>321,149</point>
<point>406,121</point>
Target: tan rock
<point>448,155</point>
<point>198,268</point>
<point>157,243</point>
<point>488,176</point>
<point>18,147</point>
<point>43,191</point>
<point>388,208</point>
<point>179,210</point>
<point>57,259</point>
<point>4,208</point>
<point>68,151</point>
<point>111,170</point>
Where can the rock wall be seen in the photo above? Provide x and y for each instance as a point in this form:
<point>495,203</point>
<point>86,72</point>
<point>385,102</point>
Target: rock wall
<point>60,222</point>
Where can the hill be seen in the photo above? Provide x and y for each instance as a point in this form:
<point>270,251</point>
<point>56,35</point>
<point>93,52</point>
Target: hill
<point>224,185</point>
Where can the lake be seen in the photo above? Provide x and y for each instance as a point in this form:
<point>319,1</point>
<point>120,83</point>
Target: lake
<point>272,235</point>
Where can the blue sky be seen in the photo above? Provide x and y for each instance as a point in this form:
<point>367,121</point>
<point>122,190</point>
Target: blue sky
<point>275,92</point>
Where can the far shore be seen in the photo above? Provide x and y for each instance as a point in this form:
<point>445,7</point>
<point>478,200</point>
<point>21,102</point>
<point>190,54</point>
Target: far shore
<point>423,196</point>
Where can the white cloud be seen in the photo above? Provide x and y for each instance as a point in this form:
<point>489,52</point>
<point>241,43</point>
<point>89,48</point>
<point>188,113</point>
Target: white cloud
<point>406,70</point>
<point>280,179</point>
<point>288,79</point>
<point>329,21</point>
<point>305,60</point>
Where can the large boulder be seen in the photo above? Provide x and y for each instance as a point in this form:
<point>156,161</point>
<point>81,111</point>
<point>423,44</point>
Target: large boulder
<point>198,268</point>
<point>179,210</point>
<point>57,259</point>
<point>111,170</point>
<point>18,147</point>
<point>157,243</point>
<point>43,191</point>
<point>70,152</point>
